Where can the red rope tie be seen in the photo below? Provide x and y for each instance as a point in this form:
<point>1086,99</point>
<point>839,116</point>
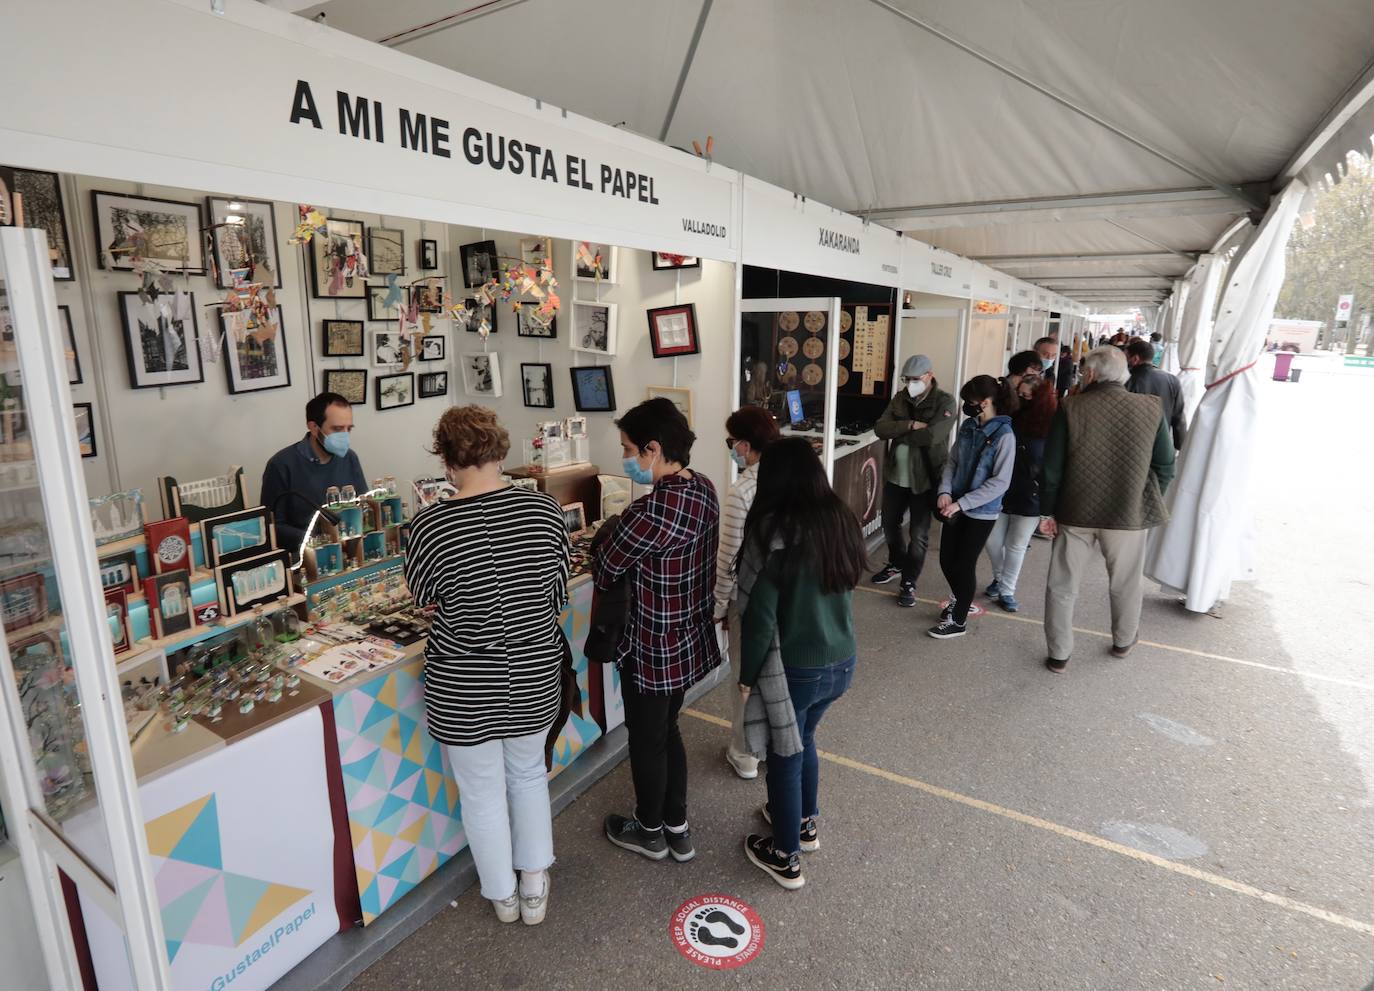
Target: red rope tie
<point>1238,371</point>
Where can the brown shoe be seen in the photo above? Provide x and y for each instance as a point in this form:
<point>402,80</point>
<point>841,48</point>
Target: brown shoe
<point>1056,665</point>
<point>1123,651</point>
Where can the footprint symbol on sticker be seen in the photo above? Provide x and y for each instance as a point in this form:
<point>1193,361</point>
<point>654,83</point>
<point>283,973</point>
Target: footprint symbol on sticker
<point>699,929</point>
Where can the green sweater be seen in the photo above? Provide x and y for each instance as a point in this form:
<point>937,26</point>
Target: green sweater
<point>814,629</point>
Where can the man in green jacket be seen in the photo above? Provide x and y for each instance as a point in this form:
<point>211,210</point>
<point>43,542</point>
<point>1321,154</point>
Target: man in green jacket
<point>916,426</point>
<point>1108,460</point>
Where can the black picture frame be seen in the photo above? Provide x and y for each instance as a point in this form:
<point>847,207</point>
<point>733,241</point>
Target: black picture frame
<point>433,384</point>
<point>379,385</point>
<point>234,363</point>
<point>44,207</point>
<point>261,211</point>
<point>428,295</point>
<point>208,527</point>
<point>477,258</point>
<point>471,318</point>
<point>169,625</point>
<point>74,362</point>
<point>319,247</point>
<point>347,382</point>
<point>112,565</point>
<point>425,344</point>
<point>658,315</point>
<point>593,388</point>
<point>90,423</point>
<point>376,294</point>
<point>140,377</point>
<point>523,324</point>
<point>224,576</point>
<point>546,372</point>
<point>101,200</point>
<point>392,241</point>
<point>662,262</point>
<point>329,346</point>
<point>429,254</point>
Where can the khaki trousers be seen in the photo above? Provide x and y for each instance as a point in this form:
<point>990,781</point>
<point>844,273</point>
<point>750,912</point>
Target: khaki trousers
<point>729,648</point>
<point>1073,549</point>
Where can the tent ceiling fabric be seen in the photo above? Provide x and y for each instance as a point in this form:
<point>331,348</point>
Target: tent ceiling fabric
<point>849,103</point>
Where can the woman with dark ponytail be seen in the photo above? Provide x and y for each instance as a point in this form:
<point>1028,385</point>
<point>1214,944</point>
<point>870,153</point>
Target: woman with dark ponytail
<point>976,478</point>
<point>802,556</point>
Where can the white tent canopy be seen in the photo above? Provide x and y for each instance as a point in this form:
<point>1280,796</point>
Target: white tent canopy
<point>1099,147</point>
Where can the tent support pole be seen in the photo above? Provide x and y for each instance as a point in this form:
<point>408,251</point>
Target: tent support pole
<point>686,68</point>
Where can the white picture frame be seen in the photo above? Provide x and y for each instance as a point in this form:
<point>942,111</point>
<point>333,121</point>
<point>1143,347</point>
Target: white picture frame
<point>482,374</point>
<point>593,327</point>
<point>608,263</point>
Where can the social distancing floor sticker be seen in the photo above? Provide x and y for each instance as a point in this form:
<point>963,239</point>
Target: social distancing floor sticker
<point>717,932</point>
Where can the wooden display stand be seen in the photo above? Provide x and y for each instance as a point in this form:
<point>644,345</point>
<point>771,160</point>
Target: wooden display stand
<point>575,483</point>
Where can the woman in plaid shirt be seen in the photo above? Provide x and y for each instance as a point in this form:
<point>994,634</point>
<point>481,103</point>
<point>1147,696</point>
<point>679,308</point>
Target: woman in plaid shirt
<point>665,548</point>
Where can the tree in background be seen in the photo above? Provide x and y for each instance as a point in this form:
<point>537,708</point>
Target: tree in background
<point>1333,256</point>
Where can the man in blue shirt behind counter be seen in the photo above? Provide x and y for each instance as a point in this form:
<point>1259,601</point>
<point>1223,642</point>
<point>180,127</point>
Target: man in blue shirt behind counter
<point>310,466</point>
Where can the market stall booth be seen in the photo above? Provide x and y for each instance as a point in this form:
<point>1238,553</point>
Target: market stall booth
<point>936,289</point>
<point>991,328</point>
<point>190,674</point>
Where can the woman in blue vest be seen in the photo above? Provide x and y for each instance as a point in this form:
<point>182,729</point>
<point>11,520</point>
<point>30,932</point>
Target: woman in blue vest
<point>976,478</point>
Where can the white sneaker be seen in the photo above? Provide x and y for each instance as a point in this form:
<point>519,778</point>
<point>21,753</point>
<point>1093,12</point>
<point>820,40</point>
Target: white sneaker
<point>533,907</point>
<point>745,765</point>
<point>507,909</point>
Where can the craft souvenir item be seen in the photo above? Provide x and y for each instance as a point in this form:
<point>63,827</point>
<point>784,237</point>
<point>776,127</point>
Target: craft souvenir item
<point>169,545</point>
<point>814,322</point>
<point>119,571</point>
<point>168,597</point>
<point>23,601</point>
<point>812,375</point>
<point>117,616</point>
<point>252,582</point>
<point>787,347</point>
<point>593,389</point>
<point>482,374</point>
<point>161,339</point>
<point>663,261</point>
<point>117,517</point>
<point>480,263</point>
<point>788,321</point>
<point>477,317</point>
<point>673,330</point>
<point>202,499</point>
<point>536,383</point>
<point>131,231</point>
<point>387,302</point>
<point>395,391</point>
<point>846,321</point>
<point>616,494</point>
<point>54,730</point>
<point>594,262</point>
<point>243,242</point>
<point>39,195</point>
<point>236,536</point>
<point>574,518</point>
<point>207,613</point>
<point>593,327</point>
<point>343,338</point>
<point>429,255</point>
<point>351,383</point>
<point>338,261</point>
<point>428,491</point>
<point>85,429</point>
<point>813,348</point>
<point>433,384</point>
<point>387,250</point>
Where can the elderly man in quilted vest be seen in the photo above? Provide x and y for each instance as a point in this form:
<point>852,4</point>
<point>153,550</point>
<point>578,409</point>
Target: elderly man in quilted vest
<point>1108,460</point>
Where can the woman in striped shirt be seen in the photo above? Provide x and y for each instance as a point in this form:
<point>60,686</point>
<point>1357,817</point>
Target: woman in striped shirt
<point>493,561</point>
<point>748,431</point>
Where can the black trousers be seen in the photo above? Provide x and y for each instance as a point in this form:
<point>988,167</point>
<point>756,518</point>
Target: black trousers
<point>658,760</point>
<point>906,550</point>
<point>961,541</point>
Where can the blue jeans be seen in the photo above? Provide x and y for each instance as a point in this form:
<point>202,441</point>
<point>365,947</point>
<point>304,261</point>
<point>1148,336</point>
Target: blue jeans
<point>793,781</point>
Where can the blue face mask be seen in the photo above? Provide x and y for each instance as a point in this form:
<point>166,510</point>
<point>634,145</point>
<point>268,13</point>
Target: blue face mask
<point>638,475</point>
<point>336,444</point>
<point>1047,363</point>
<point>738,459</point>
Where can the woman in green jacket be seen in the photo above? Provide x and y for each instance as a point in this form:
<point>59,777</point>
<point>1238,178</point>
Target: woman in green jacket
<point>812,554</point>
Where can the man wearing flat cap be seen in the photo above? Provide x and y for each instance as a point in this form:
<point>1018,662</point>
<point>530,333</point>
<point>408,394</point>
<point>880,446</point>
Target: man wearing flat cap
<point>916,426</point>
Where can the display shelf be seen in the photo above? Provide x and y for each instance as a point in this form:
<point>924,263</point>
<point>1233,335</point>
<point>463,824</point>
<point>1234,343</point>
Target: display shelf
<point>139,542</point>
<point>198,633</point>
<point>159,751</point>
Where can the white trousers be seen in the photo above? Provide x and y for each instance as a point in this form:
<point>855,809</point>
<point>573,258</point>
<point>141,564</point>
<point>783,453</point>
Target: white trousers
<point>505,802</point>
<point>1007,544</point>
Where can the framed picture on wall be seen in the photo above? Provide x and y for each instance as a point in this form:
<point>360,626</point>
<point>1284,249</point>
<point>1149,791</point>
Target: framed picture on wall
<point>673,330</point>
<point>433,384</point>
<point>386,250</point>
<point>480,263</point>
<point>681,398</point>
<point>585,258</point>
<point>482,374</point>
<point>163,231</point>
<point>343,338</point>
<point>389,348</point>
<point>429,255</point>
<point>665,262</point>
<point>593,389</point>
<point>433,347</point>
<point>338,261</point>
<point>537,251</point>
<point>243,242</point>
<point>536,384</point>
<point>351,383</point>
<point>160,340</point>
<point>377,295</point>
<point>85,429</point>
<point>255,346</point>
<point>478,311</point>
<point>395,391</point>
<point>428,295</point>
<point>73,358</point>
<point>41,204</point>
<point>528,326</point>
<point>593,327</point>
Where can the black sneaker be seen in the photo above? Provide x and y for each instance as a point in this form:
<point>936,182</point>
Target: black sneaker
<point>679,844</point>
<point>630,834</point>
<point>785,870</point>
<point>810,838</point>
<point>907,597</point>
<point>948,630</point>
<point>886,575</point>
<point>947,611</point>
<point>1056,665</point>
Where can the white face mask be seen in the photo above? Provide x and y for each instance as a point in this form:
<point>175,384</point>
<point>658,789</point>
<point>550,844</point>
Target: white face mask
<point>914,389</point>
